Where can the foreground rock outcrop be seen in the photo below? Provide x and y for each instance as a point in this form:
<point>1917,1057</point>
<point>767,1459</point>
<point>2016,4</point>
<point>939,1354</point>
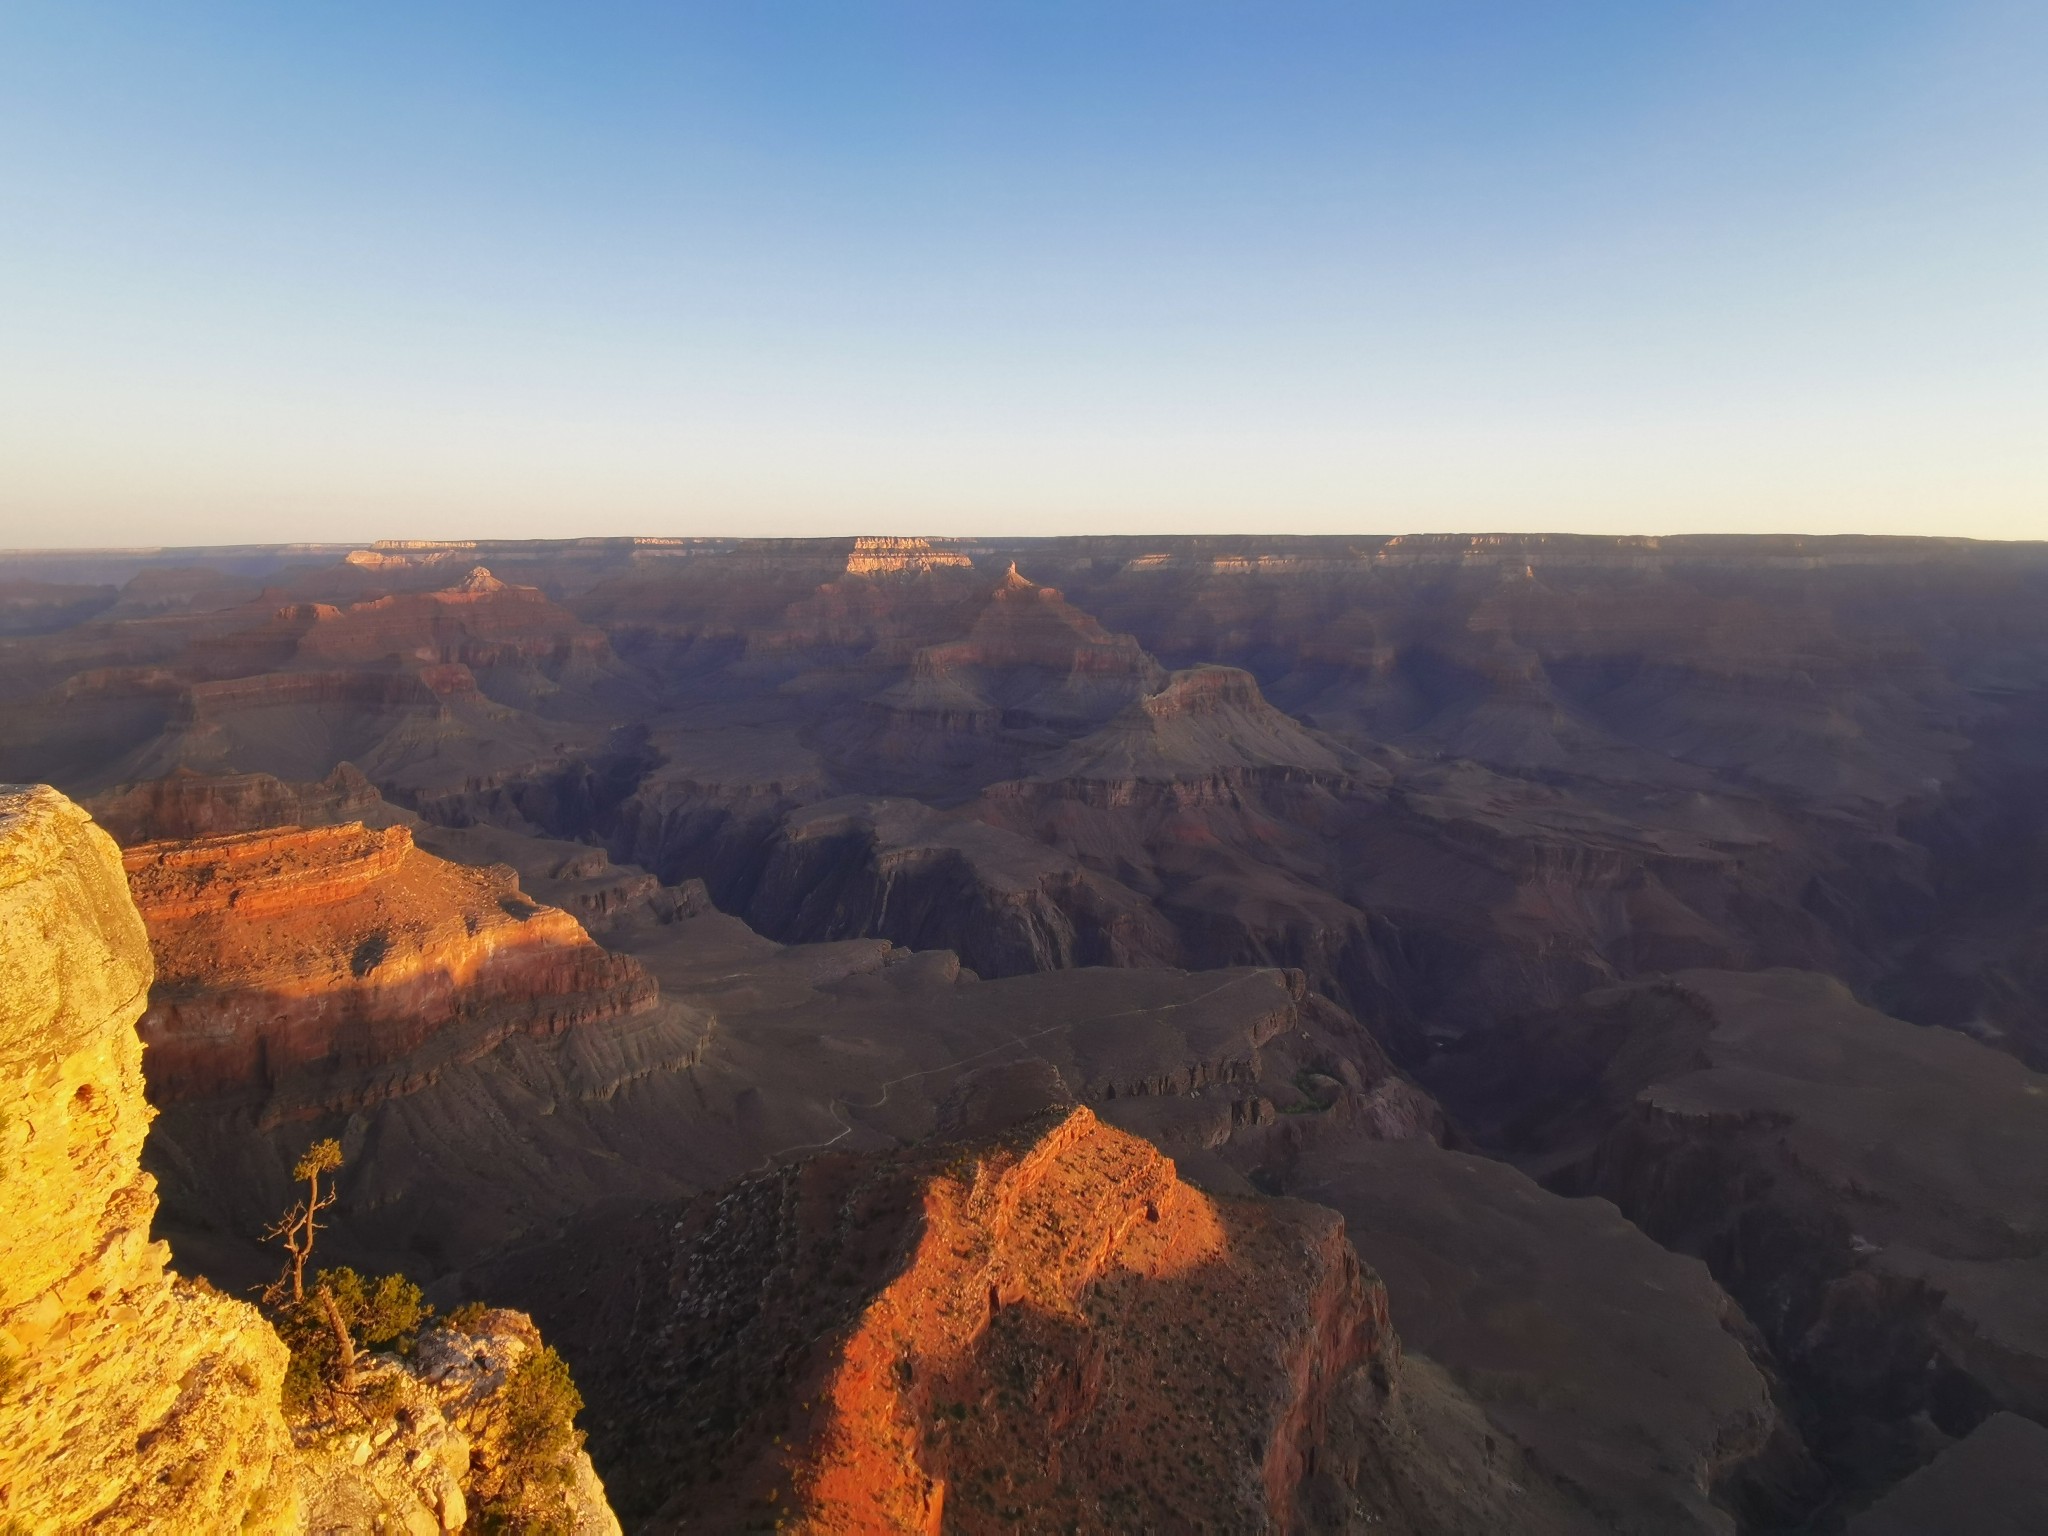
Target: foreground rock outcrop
<point>438,1450</point>
<point>132,1399</point>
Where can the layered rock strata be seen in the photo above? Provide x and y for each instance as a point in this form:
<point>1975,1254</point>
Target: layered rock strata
<point>1203,724</point>
<point>898,557</point>
<point>1870,1189</point>
<point>301,961</point>
<point>755,1053</point>
<point>479,623</point>
<point>1994,1482</point>
<point>1029,657</point>
<point>1608,757</point>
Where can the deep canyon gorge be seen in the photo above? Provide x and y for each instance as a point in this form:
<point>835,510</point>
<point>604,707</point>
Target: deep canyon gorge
<point>1424,1034</point>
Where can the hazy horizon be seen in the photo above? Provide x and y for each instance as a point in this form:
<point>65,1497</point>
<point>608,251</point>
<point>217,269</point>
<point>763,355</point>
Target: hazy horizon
<point>483,542</point>
<point>328,276</point>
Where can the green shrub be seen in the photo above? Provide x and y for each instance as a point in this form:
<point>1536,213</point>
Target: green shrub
<point>382,1313</point>
<point>541,1404</point>
<point>524,1492</point>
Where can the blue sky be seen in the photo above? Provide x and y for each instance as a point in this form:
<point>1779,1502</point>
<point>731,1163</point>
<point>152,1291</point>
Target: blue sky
<point>345,271</point>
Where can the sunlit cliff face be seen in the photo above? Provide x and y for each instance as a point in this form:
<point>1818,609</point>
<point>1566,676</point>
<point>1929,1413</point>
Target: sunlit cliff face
<point>131,1394</point>
<point>311,950</point>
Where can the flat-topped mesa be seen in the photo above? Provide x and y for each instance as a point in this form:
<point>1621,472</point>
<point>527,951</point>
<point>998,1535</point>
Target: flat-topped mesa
<point>134,1401</point>
<point>382,560</point>
<point>947,1337</point>
<point>874,556</point>
<point>332,966</point>
<point>1205,690</point>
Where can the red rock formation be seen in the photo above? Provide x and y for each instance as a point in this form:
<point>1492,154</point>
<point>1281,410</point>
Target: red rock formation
<point>299,962</point>
<point>481,622</point>
<point>1045,1321</point>
<point>1052,1287</point>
